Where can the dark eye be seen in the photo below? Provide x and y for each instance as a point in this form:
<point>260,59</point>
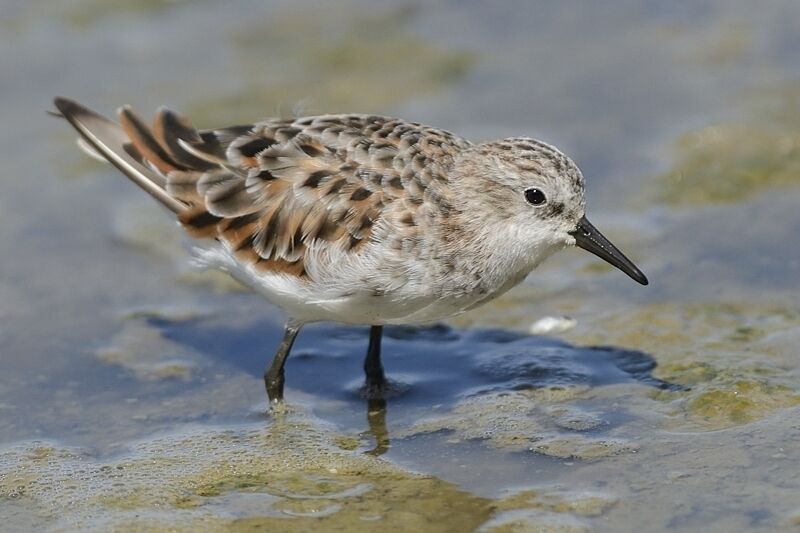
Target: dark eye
<point>535,196</point>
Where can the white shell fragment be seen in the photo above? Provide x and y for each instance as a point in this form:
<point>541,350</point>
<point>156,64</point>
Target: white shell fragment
<point>553,324</point>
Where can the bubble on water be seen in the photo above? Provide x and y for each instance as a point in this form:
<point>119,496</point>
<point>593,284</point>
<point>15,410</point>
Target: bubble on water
<point>287,474</point>
<point>523,421</point>
<point>582,447</point>
<point>289,468</point>
<point>549,508</point>
<point>573,418</point>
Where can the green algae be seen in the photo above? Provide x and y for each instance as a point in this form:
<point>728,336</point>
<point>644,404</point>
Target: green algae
<point>730,358</point>
<point>160,482</point>
<point>288,474</point>
<point>84,13</point>
<point>143,350</point>
<point>729,363</point>
<point>534,521</point>
<point>581,503</point>
<point>738,402</point>
<point>357,61</point>
<point>687,373</point>
<point>729,162</point>
<point>523,421</point>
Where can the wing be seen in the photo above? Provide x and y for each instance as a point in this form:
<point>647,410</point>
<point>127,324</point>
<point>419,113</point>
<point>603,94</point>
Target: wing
<point>272,189</point>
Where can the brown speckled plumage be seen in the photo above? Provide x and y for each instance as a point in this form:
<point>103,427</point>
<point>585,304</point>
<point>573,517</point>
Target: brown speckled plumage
<point>268,189</point>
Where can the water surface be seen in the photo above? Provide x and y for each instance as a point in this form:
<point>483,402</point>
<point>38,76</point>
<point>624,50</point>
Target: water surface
<point>130,390</point>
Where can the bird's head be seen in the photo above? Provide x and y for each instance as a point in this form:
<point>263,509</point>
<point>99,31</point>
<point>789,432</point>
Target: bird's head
<point>536,193</point>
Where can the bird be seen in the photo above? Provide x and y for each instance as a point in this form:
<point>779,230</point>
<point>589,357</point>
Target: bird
<point>354,218</point>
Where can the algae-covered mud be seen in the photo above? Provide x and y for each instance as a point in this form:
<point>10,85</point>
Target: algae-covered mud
<point>131,395</point>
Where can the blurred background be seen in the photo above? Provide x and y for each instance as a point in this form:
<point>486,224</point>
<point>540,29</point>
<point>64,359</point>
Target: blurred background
<point>130,388</point>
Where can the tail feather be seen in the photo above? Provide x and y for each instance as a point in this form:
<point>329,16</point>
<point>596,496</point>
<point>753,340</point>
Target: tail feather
<point>142,138</point>
<point>110,141</point>
<point>169,128</point>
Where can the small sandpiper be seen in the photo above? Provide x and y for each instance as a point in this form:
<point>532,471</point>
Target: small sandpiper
<point>359,219</point>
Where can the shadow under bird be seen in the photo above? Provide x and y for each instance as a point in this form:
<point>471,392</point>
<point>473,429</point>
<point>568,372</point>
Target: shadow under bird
<point>359,219</point>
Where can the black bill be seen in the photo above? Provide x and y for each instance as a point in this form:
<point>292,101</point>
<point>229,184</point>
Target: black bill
<point>590,239</point>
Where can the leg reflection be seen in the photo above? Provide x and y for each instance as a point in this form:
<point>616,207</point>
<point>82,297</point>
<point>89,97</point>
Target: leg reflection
<point>376,420</point>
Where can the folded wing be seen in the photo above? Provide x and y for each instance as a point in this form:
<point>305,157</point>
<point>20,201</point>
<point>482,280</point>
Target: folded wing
<point>271,189</point>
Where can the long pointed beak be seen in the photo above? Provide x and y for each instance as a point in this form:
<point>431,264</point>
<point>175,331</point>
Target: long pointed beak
<point>590,239</point>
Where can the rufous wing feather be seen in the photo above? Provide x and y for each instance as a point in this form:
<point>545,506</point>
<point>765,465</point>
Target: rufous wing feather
<point>271,189</point>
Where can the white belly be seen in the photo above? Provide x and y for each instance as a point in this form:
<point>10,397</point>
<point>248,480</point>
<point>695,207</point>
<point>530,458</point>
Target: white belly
<point>307,301</point>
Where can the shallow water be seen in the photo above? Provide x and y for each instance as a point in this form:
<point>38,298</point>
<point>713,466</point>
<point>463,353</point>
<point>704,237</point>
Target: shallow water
<point>130,390</point>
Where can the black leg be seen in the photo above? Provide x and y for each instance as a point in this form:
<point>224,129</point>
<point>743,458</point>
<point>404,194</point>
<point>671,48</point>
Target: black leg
<point>376,380</point>
<point>273,376</point>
